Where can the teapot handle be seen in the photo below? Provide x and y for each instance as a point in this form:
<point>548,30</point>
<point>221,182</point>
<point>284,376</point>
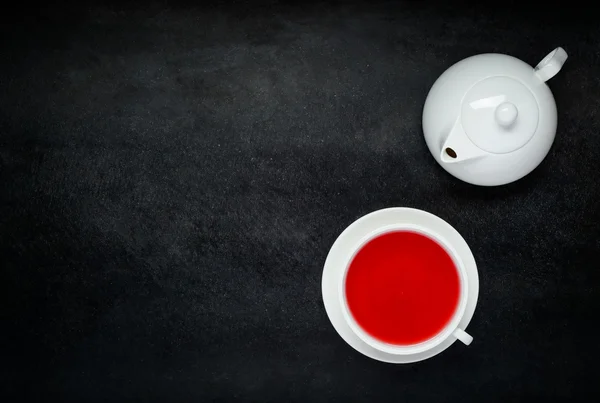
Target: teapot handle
<point>551,64</point>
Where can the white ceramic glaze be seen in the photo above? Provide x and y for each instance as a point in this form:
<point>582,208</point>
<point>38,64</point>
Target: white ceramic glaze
<point>450,328</point>
<point>491,119</point>
<point>356,235</point>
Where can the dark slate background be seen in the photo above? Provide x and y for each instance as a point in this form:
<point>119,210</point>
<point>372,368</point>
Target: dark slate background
<point>173,176</point>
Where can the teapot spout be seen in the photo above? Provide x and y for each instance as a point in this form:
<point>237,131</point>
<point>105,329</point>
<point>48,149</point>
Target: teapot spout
<point>458,147</point>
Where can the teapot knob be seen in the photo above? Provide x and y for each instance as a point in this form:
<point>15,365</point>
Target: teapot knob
<point>506,114</point>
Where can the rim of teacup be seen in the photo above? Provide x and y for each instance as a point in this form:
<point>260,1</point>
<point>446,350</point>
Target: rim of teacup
<point>452,324</point>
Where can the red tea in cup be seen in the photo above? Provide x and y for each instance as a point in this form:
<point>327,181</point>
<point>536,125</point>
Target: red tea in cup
<point>402,288</point>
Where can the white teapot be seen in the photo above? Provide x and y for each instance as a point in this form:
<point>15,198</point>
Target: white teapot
<point>490,119</point>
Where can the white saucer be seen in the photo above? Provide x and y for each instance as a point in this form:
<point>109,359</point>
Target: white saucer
<point>347,241</point>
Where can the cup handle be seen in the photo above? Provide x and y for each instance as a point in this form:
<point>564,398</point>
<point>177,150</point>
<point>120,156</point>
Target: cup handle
<point>463,336</point>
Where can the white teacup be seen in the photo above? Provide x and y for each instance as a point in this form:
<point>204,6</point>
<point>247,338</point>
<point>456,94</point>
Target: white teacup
<point>451,329</point>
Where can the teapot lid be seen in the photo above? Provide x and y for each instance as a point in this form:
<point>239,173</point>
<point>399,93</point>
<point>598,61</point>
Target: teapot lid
<point>499,114</point>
